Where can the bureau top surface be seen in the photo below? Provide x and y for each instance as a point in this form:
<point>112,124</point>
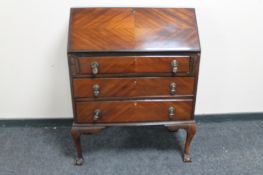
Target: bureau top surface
<point>133,30</point>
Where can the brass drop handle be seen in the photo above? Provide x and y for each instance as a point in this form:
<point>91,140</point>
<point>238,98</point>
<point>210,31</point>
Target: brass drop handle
<point>97,114</point>
<point>94,68</point>
<point>171,112</point>
<point>173,88</point>
<point>174,65</point>
<point>96,90</point>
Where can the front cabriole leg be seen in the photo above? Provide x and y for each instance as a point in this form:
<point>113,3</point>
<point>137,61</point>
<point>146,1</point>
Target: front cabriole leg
<point>75,132</point>
<point>191,130</point>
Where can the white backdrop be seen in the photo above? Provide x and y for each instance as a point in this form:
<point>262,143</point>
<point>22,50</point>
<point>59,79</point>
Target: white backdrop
<point>34,79</point>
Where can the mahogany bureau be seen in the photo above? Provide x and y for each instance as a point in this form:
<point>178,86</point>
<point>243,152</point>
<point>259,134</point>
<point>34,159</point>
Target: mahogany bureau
<point>133,67</point>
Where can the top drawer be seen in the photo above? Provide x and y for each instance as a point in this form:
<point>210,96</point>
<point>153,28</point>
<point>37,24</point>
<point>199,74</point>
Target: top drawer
<point>132,65</point>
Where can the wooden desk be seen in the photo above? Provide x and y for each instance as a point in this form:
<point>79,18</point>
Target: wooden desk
<point>133,67</point>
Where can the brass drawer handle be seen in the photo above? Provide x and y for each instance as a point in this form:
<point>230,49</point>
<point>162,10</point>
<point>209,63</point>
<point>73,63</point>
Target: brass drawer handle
<point>173,88</point>
<point>171,112</point>
<point>94,68</point>
<point>174,65</point>
<point>97,114</point>
<point>96,90</point>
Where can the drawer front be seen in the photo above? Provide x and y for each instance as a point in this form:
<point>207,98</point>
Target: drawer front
<point>131,65</point>
<point>133,87</point>
<point>132,111</point>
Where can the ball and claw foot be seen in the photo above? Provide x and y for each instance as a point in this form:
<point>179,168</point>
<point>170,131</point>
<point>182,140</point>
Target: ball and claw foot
<point>78,161</point>
<point>187,158</point>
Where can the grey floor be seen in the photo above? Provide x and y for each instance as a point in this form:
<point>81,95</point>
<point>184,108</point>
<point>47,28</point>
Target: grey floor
<point>229,147</point>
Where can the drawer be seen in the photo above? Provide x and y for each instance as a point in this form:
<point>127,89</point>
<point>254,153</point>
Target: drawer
<point>132,111</point>
<point>133,87</point>
<point>131,65</point>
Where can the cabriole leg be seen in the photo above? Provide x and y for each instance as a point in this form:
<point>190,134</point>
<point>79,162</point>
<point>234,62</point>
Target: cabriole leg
<point>76,137</point>
<point>191,130</point>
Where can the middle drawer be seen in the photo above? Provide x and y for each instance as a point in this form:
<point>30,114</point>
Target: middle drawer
<point>133,87</point>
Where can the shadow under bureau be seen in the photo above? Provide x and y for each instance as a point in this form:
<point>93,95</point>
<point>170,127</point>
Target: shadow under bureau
<point>133,67</point>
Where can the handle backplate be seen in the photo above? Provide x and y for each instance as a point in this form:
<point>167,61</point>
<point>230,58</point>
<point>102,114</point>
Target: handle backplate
<point>97,115</point>
<point>94,68</point>
<point>96,90</point>
<point>173,88</point>
<point>171,112</point>
<point>174,66</point>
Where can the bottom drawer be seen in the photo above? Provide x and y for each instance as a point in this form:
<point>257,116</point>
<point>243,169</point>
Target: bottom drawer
<point>132,111</point>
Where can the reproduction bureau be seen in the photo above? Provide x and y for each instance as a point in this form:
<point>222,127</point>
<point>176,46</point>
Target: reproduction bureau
<point>133,67</point>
